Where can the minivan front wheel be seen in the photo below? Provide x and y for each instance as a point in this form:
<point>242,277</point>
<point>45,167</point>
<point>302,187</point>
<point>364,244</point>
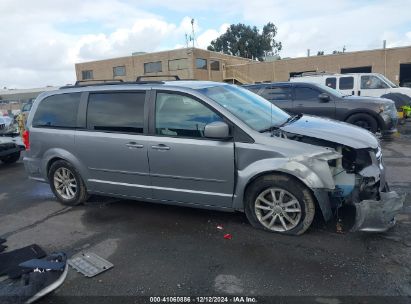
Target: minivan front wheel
<point>278,203</point>
<point>67,184</point>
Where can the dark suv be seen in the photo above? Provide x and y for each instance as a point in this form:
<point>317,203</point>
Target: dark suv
<point>371,113</point>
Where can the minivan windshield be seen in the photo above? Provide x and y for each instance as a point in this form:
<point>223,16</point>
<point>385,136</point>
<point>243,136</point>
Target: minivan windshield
<point>257,112</point>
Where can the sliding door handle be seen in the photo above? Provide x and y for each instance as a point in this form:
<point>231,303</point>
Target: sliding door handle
<point>161,147</point>
<point>135,145</point>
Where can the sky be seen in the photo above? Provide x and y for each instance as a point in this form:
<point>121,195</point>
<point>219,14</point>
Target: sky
<point>42,40</point>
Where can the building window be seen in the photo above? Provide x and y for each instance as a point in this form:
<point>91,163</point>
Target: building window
<point>88,74</point>
<point>201,64</point>
<point>346,83</point>
<point>119,71</point>
<point>178,64</point>
<point>214,65</point>
<point>331,82</point>
<point>152,67</point>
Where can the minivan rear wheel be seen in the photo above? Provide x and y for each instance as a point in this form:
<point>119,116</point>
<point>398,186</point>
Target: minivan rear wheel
<point>279,203</point>
<point>364,121</point>
<point>67,184</point>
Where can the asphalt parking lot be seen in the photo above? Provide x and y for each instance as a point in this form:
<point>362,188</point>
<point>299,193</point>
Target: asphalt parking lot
<point>160,250</point>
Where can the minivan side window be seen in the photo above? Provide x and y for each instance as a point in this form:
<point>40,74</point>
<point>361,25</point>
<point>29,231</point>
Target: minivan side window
<point>331,82</point>
<point>59,111</point>
<point>116,112</point>
<point>182,116</point>
<point>309,94</point>
<point>346,83</point>
<point>276,93</point>
<point>372,82</point>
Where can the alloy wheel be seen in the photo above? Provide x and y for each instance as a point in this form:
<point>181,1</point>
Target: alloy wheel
<point>278,210</point>
<point>65,183</point>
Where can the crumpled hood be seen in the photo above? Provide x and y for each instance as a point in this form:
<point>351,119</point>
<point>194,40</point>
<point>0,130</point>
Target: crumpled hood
<point>334,131</point>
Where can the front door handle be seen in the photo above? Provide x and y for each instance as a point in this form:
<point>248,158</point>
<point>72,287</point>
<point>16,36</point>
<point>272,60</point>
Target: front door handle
<point>133,144</point>
<point>161,147</point>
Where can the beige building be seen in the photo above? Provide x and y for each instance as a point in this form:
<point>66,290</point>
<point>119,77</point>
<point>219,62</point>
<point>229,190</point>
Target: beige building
<point>193,63</point>
<point>187,63</point>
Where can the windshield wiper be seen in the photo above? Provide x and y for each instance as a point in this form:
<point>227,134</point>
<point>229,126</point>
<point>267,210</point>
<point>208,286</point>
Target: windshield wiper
<point>289,120</point>
<point>271,128</point>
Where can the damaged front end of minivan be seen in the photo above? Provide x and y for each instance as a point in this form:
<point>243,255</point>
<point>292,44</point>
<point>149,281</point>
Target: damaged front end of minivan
<point>357,179</point>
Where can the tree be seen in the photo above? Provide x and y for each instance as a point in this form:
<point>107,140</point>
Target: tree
<point>246,41</point>
<point>320,53</point>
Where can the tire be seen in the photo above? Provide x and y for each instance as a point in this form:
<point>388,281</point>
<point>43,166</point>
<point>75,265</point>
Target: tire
<point>364,121</point>
<point>10,159</point>
<point>399,99</point>
<point>71,190</point>
<point>292,190</point>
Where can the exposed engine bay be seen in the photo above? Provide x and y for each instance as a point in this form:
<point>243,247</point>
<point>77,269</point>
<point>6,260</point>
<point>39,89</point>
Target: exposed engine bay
<point>359,179</point>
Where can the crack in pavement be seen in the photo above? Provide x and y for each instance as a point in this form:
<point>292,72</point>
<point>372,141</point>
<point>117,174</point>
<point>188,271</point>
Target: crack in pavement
<point>51,215</point>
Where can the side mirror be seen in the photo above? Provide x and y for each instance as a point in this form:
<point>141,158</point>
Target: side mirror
<point>217,130</point>
<point>324,97</point>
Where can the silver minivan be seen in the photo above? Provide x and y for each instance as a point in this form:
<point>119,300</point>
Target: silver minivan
<point>208,145</point>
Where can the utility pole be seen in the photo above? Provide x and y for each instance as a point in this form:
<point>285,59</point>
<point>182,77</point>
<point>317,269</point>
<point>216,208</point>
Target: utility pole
<point>192,31</point>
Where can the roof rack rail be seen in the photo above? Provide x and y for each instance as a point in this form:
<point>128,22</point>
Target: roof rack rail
<point>78,82</point>
<point>155,76</point>
<point>93,82</point>
<point>314,73</point>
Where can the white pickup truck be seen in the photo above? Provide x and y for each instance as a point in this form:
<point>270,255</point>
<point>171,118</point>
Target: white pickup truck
<point>363,84</point>
<point>10,143</point>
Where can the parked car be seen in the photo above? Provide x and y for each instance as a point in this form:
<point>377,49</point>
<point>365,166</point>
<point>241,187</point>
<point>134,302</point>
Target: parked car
<point>363,84</point>
<point>10,144</point>
<point>371,113</point>
<point>7,126</point>
<point>207,145</point>
<point>27,106</point>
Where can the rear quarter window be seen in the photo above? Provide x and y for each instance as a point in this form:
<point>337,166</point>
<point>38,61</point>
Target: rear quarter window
<point>59,111</point>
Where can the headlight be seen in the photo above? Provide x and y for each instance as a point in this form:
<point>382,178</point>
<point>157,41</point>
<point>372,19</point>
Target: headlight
<point>388,109</point>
